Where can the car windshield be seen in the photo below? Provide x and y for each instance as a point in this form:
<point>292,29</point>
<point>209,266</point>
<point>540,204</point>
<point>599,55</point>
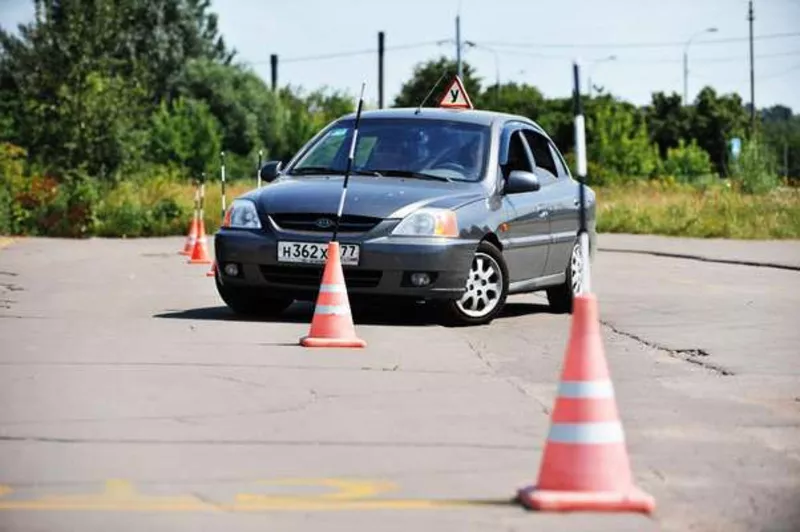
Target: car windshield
<point>408,147</point>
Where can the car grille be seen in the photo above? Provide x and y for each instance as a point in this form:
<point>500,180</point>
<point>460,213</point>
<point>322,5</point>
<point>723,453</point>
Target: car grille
<point>308,222</point>
<point>311,276</point>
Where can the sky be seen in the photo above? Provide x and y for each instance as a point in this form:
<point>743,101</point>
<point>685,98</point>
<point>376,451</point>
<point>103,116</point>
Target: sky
<point>530,41</point>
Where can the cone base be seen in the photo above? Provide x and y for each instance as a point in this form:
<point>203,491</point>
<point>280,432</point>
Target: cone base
<point>199,261</point>
<point>308,341</point>
<point>634,500</point>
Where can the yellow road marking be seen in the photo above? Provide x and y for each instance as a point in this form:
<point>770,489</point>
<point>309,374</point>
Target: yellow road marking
<point>346,489</point>
<point>348,495</point>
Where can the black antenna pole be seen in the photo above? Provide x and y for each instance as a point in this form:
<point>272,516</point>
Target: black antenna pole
<point>349,163</point>
<point>381,48</point>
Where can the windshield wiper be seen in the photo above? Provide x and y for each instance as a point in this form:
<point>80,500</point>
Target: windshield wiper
<point>309,170</point>
<point>412,174</point>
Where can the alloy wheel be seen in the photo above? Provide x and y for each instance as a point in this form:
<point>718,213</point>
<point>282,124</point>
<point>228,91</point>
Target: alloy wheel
<point>576,269</point>
<point>484,287</point>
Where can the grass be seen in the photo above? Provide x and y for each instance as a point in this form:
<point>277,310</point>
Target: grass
<point>163,205</point>
<point>714,212</point>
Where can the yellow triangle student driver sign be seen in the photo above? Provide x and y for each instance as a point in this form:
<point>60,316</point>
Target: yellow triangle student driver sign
<point>456,96</point>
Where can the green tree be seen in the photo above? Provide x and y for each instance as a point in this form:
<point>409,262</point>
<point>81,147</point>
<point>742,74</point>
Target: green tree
<point>513,98</point>
<point>618,141</point>
<point>424,78</point>
<point>305,115</point>
<point>715,120</point>
<point>187,135</point>
<point>668,121</point>
<point>781,133</point>
<point>78,59</point>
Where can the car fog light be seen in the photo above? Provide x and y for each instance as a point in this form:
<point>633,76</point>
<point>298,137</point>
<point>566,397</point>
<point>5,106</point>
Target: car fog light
<point>420,279</point>
<point>232,269</point>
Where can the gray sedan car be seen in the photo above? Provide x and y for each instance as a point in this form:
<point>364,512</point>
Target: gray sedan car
<point>459,208</point>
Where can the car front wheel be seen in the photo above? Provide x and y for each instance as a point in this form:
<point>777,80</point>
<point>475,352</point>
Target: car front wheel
<point>251,301</point>
<point>561,297</point>
<point>486,289</point>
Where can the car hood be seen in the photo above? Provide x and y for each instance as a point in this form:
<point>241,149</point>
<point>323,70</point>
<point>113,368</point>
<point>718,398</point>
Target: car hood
<point>379,197</point>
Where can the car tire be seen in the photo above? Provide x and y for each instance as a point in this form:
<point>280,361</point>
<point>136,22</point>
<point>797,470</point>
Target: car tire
<point>562,296</point>
<point>248,301</point>
<point>488,269</point>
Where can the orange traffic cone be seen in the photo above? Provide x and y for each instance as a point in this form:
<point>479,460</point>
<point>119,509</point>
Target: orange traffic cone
<point>191,238</point>
<point>200,250</point>
<point>332,324</point>
<point>213,271</point>
<point>585,463</point>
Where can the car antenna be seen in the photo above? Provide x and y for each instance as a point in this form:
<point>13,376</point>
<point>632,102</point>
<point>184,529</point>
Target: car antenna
<point>419,109</point>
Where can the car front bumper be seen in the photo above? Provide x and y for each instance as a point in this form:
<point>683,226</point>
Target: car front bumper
<point>385,264</point>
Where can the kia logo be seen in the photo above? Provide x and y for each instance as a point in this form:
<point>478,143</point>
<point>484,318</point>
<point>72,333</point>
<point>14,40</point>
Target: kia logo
<point>324,223</point>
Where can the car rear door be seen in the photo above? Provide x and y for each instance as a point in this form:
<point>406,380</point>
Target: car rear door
<point>527,236</point>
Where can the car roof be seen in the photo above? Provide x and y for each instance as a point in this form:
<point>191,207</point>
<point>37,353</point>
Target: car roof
<point>473,116</point>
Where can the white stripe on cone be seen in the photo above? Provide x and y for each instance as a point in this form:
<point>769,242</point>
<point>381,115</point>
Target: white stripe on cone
<point>332,310</point>
<point>332,288</point>
<point>587,433</point>
<point>586,389</point>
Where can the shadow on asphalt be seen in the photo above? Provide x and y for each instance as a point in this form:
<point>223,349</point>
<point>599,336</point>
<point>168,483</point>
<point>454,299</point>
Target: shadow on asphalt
<point>410,314</point>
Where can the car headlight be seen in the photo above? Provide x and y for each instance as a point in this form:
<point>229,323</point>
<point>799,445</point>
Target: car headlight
<point>242,214</point>
<point>428,222</point>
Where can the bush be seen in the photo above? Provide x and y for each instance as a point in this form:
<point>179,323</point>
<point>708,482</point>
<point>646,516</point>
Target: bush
<point>12,161</point>
<point>688,164</point>
<point>72,214</point>
<point>755,169</point>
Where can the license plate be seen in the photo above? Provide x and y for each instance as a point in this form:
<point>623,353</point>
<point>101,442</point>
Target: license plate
<point>313,253</point>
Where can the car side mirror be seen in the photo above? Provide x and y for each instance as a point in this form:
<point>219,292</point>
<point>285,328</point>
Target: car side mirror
<point>520,181</point>
<point>270,171</point>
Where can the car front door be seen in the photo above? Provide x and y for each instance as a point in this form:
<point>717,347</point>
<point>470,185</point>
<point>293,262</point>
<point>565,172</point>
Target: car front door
<point>527,236</point>
<point>558,197</point>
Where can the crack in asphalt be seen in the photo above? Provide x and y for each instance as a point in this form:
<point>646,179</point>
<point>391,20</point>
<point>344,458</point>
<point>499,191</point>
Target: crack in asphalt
<point>693,356</point>
<point>735,262</point>
<point>509,380</point>
<point>273,443</point>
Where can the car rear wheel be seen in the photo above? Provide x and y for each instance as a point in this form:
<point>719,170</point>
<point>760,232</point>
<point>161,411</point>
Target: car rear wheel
<point>486,289</point>
<point>249,301</point>
<point>562,296</point>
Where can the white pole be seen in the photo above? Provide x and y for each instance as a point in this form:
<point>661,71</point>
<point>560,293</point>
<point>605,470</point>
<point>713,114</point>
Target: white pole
<point>580,153</point>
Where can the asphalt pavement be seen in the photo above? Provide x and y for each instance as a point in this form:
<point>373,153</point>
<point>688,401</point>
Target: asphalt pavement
<point>133,400</point>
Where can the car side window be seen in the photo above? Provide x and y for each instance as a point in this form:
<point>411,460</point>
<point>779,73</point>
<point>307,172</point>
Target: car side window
<point>541,152</point>
<point>517,157</point>
<point>559,159</point>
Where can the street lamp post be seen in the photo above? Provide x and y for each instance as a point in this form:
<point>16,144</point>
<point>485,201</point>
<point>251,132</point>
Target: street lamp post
<point>588,70</point>
<point>686,63</point>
